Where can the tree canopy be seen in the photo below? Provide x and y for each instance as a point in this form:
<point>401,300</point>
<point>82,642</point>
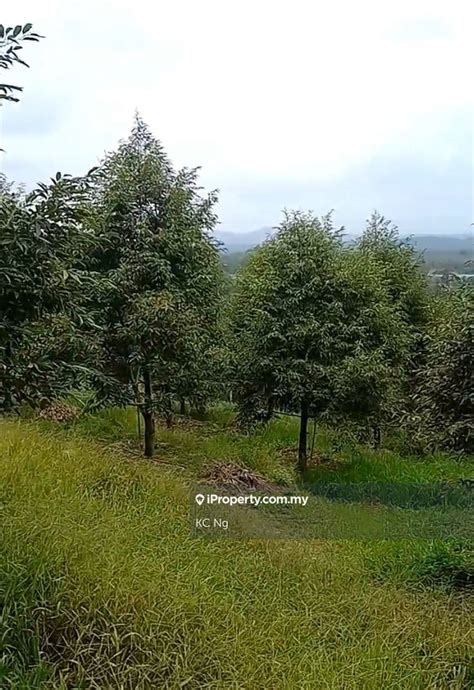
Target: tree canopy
<point>160,272</point>
<point>313,326</point>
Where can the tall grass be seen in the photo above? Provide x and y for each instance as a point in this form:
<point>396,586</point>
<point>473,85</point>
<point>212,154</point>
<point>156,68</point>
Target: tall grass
<point>103,586</point>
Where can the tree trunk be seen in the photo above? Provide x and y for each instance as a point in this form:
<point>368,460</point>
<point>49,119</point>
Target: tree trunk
<point>377,436</point>
<point>302,446</point>
<point>7,395</point>
<point>148,415</point>
<point>270,408</point>
<point>182,406</point>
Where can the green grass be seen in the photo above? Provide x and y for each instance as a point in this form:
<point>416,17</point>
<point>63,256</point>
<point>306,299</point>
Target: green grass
<point>103,586</point>
<point>215,441</point>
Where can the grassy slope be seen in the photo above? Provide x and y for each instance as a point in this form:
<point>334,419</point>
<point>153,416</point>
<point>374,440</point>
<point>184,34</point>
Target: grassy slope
<point>103,586</point>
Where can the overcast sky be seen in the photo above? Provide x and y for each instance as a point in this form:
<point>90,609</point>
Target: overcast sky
<point>300,104</point>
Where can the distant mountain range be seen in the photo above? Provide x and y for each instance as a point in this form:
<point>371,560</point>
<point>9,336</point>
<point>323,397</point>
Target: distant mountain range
<point>240,242</point>
<point>442,243</point>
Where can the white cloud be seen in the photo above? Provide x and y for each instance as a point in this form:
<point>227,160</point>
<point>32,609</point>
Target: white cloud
<point>299,91</point>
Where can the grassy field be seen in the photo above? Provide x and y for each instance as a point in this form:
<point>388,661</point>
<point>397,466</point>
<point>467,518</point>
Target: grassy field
<point>103,586</point>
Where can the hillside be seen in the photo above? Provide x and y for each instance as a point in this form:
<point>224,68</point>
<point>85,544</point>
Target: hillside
<point>104,586</point>
<point>236,460</point>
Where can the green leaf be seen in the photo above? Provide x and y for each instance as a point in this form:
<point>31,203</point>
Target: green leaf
<point>17,30</point>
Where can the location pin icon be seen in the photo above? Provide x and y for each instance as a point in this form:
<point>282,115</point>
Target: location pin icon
<point>199,499</point>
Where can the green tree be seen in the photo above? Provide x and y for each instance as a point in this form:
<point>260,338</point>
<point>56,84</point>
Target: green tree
<point>11,40</point>
<point>43,290</point>
<point>445,397</point>
<point>161,275</point>
<point>311,325</point>
<point>401,270</point>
